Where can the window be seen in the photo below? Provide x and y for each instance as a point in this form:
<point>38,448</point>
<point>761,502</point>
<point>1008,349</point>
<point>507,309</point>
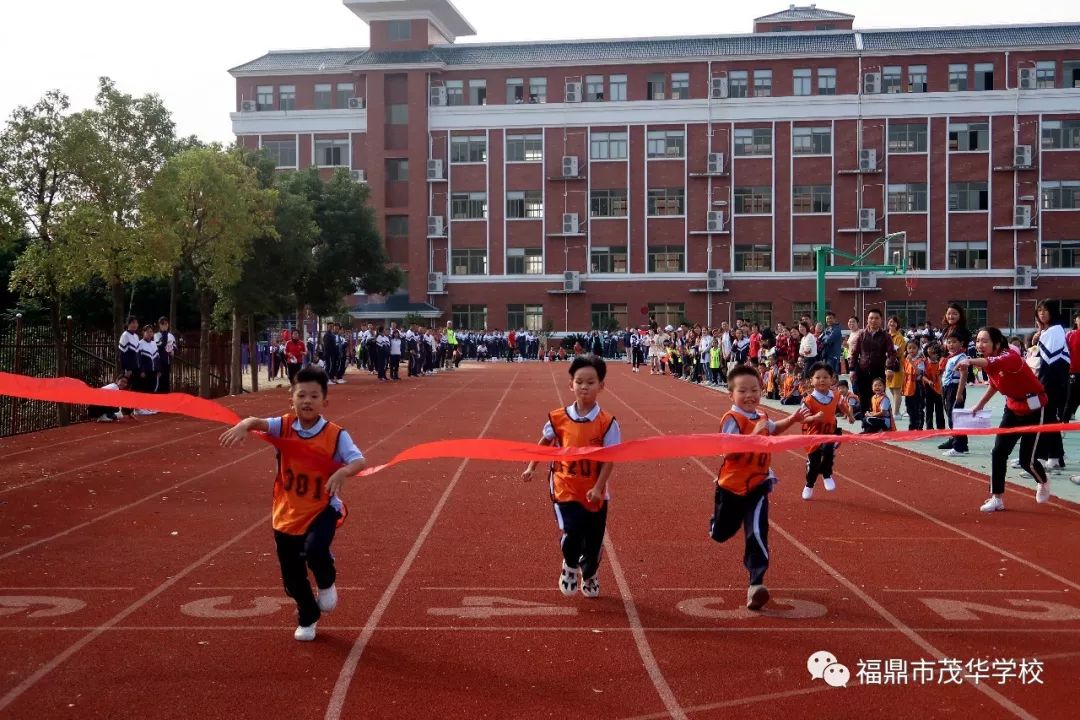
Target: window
<point>264,97</point>
<point>916,78</point>
<point>654,88</point>
<point>974,312</point>
<point>810,199</point>
<point>753,258</point>
<point>907,137</point>
<point>984,76</point>
<point>538,90</point>
<point>607,146</point>
<point>753,200</point>
<point>515,91</point>
<point>910,312</point>
<point>665,259</point>
<point>397,226</point>
<point>968,196</point>
<point>607,260</point>
<point>908,198</point>
<point>754,312</point>
<point>282,152</point>
<point>969,137</point>
<point>958,77</point>
<point>468,206</point>
<point>397,30</point>
<point>324,96</point>
<point>667,313</point>
<point>471,261</point>
<point>469,317</point>
<point>478,92</point>
<point>811,140</point>
<point>762,83</point>
<point>594,88</point>
<point>826,81</point>
<point>1070,74</point>
<point>738,82</point>
<point>665,201</point>
<point>916,255</point>
<point>800,79</point>
<point>753,141</point>
<point>680,86</point>
<point>1061,194</point>
<point>525,204</point>
<point>800,309</point>
<point>803,259</point>
<point>332,153</point>
<point>397,114</point>
<point>524,148</point>
<point>617,86</point>
<point>608,203</point>
<point>524,261</point>
<point>609,316</point>
<point>892,79</point>
<point>529,317</point>
<point>666,143</point>
<point>1045,74</point>
<point>1061,254</point>
<point>455,92</point>
<point>1061,134</point>
<point>397,170</point>
<point>343,92</point>
<point>471,149</point>
<point>967,255</point>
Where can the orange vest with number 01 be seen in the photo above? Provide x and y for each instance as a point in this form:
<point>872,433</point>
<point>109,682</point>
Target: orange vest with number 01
<point>740,473</point>
<point>572,479</point>
<point>300,487</point>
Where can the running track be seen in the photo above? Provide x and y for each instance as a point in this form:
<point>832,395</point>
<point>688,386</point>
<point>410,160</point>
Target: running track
<point>139,576</point>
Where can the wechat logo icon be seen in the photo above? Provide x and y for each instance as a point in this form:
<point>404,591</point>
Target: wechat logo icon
<point>823,666</point>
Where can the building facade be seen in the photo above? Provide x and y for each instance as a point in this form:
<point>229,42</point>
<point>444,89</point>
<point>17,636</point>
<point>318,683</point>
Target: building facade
<point>569,185</point>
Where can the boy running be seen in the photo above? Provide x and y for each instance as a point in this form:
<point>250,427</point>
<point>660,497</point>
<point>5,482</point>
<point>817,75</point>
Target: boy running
<point>820,407</point>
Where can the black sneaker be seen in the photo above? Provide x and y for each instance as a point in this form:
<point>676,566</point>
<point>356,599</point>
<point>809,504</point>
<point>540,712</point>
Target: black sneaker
<point>947,445</point>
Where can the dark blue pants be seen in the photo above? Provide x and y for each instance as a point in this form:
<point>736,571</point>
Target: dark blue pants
<point>297,553</point>
<point>583,535</point>
<point>751,512</point>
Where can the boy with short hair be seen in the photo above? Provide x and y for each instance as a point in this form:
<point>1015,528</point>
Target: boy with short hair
<point>745,480</point>
<point>579,487</point>
<point>821,407</point>
<point>307,509</point>
<point>879,416</point>
<point>954,383</point>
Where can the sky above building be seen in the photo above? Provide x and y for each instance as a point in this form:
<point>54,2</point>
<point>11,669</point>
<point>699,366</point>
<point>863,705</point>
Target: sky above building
<point>183,50</point>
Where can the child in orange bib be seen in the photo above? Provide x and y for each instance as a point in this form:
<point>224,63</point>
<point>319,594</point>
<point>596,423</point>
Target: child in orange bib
<point>820,407</point>
<point>579,487</point>
<point>307,509</point>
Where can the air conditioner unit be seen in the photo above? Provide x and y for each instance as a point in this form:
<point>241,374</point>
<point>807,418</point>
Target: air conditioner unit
<point>867,218</point>
<point>248,106</point>
<point>715,221</point>
<point>359,176</point>
<point>436,282</point>
<point>573,92</point>
<point>1024,276</point>
<point>1022,216</point>
<point>871,84</point>
<point>716,163</point>
<point>868,159</point>
<point>658,95</point>
<point>1026,78</point>
<point>867,280</point>
<point>356,103</point>
<point>436,226</point>
<point>714,281</point>
<point>437,96</point>
<point>718,89</point>
<point>571,281</point>
<point>434,170</point>
<point>569,223</point>
<point>569,166</point>
<point>1022,156</point>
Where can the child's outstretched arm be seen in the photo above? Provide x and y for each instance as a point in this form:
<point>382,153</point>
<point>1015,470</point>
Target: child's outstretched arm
<point>779,426</point>
<point>337,480</point>
<point>527,475</point>
<point>235,436</point>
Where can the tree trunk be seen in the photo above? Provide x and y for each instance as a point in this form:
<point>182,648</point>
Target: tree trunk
<point>300,319</point>
<point>253,353</point>
<point>174,292</point>
<point>60,346</point>
<point>206,306</point>
<point>118,309</point>
<point>236,379</point>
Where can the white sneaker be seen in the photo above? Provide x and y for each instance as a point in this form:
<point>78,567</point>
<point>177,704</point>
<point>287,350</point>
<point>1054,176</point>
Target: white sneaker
<point>568,580</point>
<point>1042,492</point>
<point>756,597</point>
<point>1075,479</point>
<point>106,418</point>
<point>1051,466</point>
<point>340,382</point>
<point>1015,464</point>
<point>590,588</point>
<point>829,483</point>
<point>327,599</point>
<point>807,493</point>
<point>305,633</point>
<point>993,504</point>
<point>146,412</point>
<point>953,452</point>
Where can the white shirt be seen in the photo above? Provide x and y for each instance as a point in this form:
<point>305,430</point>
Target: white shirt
<point>808,346</point>
<point>612,437</point>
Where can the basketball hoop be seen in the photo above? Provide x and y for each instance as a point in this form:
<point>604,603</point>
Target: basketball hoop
<point>911,282</point>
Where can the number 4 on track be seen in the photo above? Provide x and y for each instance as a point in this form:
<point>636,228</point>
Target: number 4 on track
<point>486,606</point>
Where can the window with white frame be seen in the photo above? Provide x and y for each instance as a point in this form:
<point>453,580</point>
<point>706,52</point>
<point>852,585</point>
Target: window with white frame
<point>1060,134</point>
<point>524,261</point>
<point>608,203</point>
<point>665,202</point>
<point>958,77</point>
<point>753,258</point>
<point>811,199</point>
<point>264,97</point>
<point>332,153</point>
<point>680,86</point>
<point>607,259</point>
<point>608,146</point>
<point>1070,74</point>
<point>397,30</point>
<point>515,91</point>
<point>908,137</point>
<point>969,137</point>
<point>1061,194</point>
<point>529,317</point>
<point>803,259</point>
<point>753,141</point>
<point>655,86</point>
<point>609,316</point>
<point>469,317</point>
<point>800,80</point>
<point>468,149</point>
<point>908,198</point>
<point>762,83</point>
<point>524,148</point>
<point>468,261</point>
<point>752,200</point>
<point>1046,74</point>
<point>892,79</point>
<point>916,254</point>
<point>1061,254</point>
<point>811,140</point>
<point>984,76</point>
<point>324,96</point>
<point>282,152</point>
<point>666,143</point>
<point>910,312</point>
<point>524,204</point>
<point>968,196</point>
<point>617,87</point>
<point>754,312</point>
<point>738,83</point>
<point>665,259</point>
<point>478,92</point>
<point>538,90</point>
<point>594,88</point>
<point>455,92</point>
<point>826,81</point>
<point>668,313</point>
<point>968,255</point>
<point>342,93</point>
<point>917,78</point>
<point>468,206</point>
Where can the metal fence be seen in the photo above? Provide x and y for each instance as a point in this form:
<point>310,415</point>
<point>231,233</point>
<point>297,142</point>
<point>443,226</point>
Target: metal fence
<point>93,357</point>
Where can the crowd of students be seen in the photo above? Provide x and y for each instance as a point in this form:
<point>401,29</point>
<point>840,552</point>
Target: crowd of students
<point>145,360</point>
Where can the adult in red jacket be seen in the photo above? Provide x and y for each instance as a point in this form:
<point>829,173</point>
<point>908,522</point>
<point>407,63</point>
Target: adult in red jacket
<point>1072,340</point>
<point>1025,404</point>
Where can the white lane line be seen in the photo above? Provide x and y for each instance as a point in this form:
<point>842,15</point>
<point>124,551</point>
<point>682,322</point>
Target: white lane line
<point>593,630</point>
<point>66,589</point>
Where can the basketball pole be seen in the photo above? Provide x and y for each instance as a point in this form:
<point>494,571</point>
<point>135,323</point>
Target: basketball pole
<point>824,253</point>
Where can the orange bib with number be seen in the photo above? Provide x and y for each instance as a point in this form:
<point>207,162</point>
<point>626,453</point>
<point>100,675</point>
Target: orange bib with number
<point>572,479</point>
<point>300,488</point>
<point>742,472</point>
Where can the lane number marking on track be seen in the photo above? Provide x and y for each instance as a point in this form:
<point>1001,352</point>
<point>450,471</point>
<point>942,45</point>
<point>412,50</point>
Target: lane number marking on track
<point>487,606</point>
<point>1040,610</point>
<point>14,604</point>
<point>212,607</point>
<point>779,607</point>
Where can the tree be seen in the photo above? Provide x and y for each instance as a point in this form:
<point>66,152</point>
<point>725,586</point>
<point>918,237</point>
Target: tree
<point>208,207</point>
